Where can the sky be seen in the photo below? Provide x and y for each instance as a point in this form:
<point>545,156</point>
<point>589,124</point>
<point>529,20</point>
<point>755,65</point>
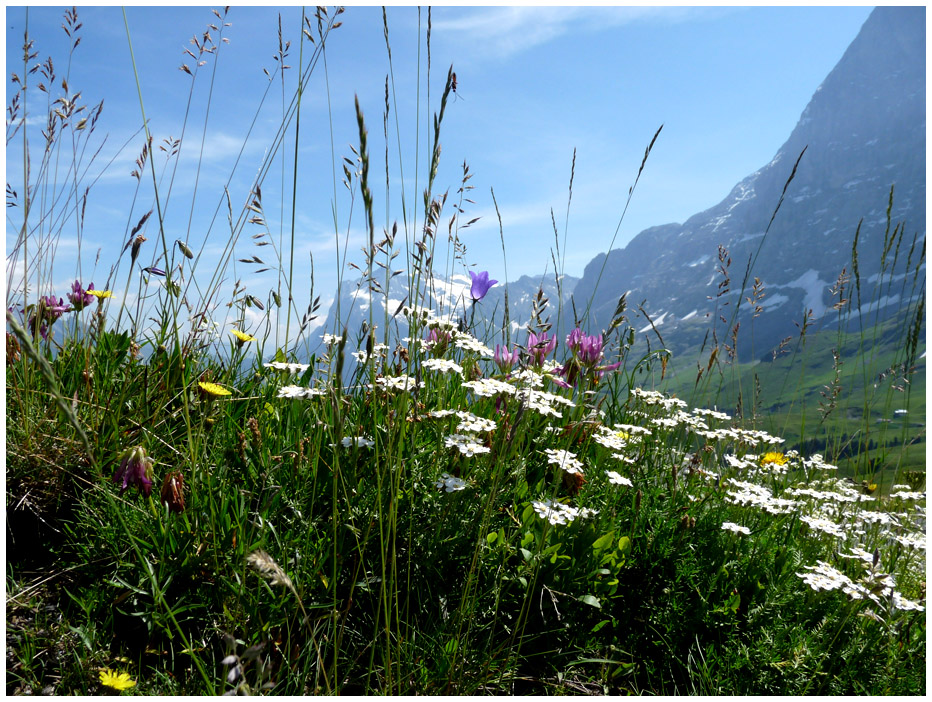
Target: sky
<point>535,85</point>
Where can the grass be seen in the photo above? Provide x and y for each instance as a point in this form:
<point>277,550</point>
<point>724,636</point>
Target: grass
<point>204,513</point>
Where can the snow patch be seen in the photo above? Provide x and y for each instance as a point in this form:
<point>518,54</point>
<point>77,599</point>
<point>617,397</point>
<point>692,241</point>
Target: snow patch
<point>690,315</point>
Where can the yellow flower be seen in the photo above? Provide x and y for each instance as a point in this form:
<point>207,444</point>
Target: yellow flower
<point>213,389</point>
<point>775,458</point>
<point>242,337</point>
<point>118,681</point>
<point>100,294</point>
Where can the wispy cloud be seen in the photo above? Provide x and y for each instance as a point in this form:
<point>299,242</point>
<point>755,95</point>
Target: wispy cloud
<point>500,32</point>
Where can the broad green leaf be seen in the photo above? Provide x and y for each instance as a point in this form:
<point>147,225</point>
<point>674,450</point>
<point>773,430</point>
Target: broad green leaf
<point>590,600</point>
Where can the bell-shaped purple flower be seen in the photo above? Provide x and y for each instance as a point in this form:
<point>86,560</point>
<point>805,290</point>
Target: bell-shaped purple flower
<point>79,297</point>
<point>135,469</point>
<point>480,285</point>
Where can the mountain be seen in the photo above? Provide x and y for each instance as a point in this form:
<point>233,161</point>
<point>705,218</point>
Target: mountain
<point>863,132</point>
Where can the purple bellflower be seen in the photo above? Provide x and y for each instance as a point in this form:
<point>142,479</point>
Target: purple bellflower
<point>480,285</point>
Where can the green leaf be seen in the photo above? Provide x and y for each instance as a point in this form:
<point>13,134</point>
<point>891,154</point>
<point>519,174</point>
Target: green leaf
<point>590,600</point>
<point>526,555</point>
<point>491,537</point>
<point>601,624</point>
<point>624,544</point>
<point>604,541</point>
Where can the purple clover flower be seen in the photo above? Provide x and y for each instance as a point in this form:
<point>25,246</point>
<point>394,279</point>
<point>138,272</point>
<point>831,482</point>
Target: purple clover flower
<point>135,469</point>
<point>48,310</point>
<point>79,297</point>
<point>587,353</point>
<point>504,358</point>
<point>540,346</point>
<point>480,285</point>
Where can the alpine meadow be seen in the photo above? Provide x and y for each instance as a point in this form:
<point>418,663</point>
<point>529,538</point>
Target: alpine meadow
<point>694,465</point>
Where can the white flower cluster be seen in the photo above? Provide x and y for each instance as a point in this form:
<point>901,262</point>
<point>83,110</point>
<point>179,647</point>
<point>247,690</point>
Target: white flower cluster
<point>400,382</point>
<point>466,444</point>
<point>443,365</point>
<point>680,418</point>
<point>468,342</point>
<point>290,367</point>
<point>331,339</point>
<point>758,496</point>
<point>565,459</point>
<point>826,526</point>
<point>543,402</point>
<point>296,392</point>
<point>489,387</point>
<point>450,483</point>
<point>471,424</point>
<point>528,378</point>
<point>825,577</point>
<point>736,528</point>
<point>652,397</point>
<point>903,495</point>
<point>721,416</point>
<point>617,479</point>
<point>559,513</point>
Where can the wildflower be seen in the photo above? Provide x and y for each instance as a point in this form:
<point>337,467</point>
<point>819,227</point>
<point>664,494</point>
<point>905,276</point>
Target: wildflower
<point>242,337</point>
<point>172,493</point>
<point>47,313</point>
<point>618,479</point>
<point>437,341</point>
<point>401,382</point>
<point>292,368</point>
<point>450,484</point>
<point>505,359</point>
<point>909,495</point>
<point>212,389</point>
<point>466,444</point>
<point>296,392</point>
<point>79,297</point>
<point>99,294</point>
<point>118,681</point>
<point>330,339</point>
<point>467,342</point>
<point>471,424</point>
<point>559,513</point>
<point>489,387</point>
<point>565,459</point>
<point>540,346</point>
<point>443,365</point>
<point>152,270</point>
<point>773,458</point>
<point>480,285</point>
<point>358,441</point>
<point>135,469</point>
<point>736,528</point>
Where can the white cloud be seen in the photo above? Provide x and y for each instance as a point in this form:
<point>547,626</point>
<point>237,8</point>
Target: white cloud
<point>504,31</point>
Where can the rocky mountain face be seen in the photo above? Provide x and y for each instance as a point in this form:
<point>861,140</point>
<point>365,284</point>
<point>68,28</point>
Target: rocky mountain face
<point>862,133</point>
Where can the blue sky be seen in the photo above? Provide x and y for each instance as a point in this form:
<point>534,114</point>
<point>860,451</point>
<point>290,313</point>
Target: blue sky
<point>728,84</point>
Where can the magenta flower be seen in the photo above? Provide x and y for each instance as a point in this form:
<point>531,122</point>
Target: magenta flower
<point>587,353</point>
<point>135,469</point>
<point>152,270</point>
<point>79,297</point>
<point>540,346</point>
<point>480,285</point>
<point>437,341</point>
<point>505,359</point>
<point>48,310</point>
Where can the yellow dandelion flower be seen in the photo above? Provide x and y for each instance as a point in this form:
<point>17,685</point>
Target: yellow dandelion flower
<point>774,458</point>
<point>99,294</point>
<point>213,389</point>
<point>242,337</point>
<point>118,681</point>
